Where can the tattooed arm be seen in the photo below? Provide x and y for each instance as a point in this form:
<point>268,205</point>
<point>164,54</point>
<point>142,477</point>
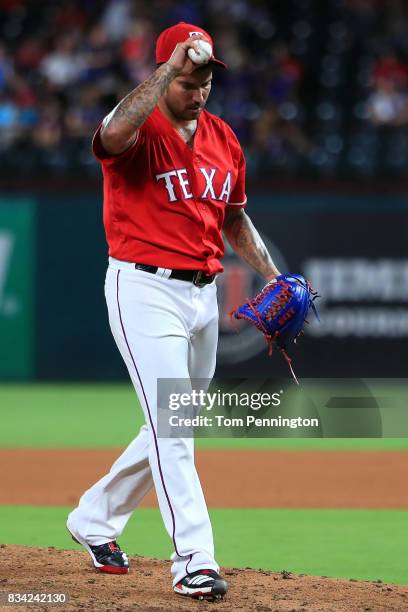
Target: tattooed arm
<point>247,243</point>
<point>120,128</point>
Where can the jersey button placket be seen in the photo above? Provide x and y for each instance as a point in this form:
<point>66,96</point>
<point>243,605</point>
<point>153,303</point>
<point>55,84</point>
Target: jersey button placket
<point>196,165</point>
<point>202,206</point>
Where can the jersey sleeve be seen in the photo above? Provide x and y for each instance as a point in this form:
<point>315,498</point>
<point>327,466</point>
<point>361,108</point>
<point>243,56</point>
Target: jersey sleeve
<point>103,156</point>
<point>238,198</point>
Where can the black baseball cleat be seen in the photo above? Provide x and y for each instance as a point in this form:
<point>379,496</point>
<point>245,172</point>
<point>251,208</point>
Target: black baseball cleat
<point>202,584</point>
<point>107,558</point>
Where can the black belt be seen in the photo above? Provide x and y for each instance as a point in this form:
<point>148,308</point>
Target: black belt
<point>197,277</point>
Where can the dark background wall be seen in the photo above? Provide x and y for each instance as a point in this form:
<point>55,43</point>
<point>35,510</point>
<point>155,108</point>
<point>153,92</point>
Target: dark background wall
<point>352,247</point>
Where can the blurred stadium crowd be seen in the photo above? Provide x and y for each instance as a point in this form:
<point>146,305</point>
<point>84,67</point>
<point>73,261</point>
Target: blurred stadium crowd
<point>315,88</point>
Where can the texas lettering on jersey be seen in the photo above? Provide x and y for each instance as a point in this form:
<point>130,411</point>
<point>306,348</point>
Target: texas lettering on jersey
<point>176,181</point>
<point>165,202</point>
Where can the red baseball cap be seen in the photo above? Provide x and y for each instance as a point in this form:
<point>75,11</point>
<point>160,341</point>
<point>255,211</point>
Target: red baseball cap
<point>169,38</point>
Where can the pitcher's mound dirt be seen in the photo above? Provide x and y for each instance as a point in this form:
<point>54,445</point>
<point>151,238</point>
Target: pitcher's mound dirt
<point>148,588</point>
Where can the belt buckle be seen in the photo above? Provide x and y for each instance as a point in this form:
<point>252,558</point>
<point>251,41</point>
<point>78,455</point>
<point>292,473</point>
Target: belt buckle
<point>198,276</point>
<point>197,279</point>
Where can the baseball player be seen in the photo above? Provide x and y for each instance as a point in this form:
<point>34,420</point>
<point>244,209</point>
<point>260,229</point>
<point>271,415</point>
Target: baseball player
<point>174,179</point>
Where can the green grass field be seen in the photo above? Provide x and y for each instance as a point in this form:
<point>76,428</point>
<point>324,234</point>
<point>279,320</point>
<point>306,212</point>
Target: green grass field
<point>106,416</point>
<point>361,544</point>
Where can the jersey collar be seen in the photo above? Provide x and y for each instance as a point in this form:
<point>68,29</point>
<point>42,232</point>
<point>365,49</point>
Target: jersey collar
<point>167,124</point>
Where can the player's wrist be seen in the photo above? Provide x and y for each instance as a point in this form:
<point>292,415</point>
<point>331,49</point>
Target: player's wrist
<point>177,60</point>
<point>170,69</point>
<point>272,275</point>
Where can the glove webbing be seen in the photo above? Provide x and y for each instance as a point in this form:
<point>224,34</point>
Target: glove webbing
<point>272,310</point>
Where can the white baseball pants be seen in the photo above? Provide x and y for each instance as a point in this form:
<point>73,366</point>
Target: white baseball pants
<point>164,328</point>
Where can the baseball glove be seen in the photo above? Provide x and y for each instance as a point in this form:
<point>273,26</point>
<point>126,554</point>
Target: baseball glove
<point>280,310</point>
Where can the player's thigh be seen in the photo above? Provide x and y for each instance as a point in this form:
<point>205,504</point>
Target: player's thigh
<point>203,351</point>
<point>150,337</point>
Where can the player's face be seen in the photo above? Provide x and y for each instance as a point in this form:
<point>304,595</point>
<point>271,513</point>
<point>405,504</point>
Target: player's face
<point>187,95</point>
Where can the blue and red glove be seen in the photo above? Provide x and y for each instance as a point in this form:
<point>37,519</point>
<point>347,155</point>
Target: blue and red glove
<point>280,310</point>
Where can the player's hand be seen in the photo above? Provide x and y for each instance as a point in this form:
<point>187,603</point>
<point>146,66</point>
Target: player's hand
<point>179,58</point>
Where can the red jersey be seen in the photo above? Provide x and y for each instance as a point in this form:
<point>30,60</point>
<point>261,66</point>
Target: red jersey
<point>164,203</point>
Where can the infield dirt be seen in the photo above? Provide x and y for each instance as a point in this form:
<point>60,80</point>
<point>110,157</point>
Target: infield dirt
<point>266,479</point>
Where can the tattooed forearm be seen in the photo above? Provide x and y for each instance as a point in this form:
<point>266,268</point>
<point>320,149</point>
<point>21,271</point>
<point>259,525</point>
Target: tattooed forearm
<point>134,109</point>
<point>247,243</point>
<point>131,112</point>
